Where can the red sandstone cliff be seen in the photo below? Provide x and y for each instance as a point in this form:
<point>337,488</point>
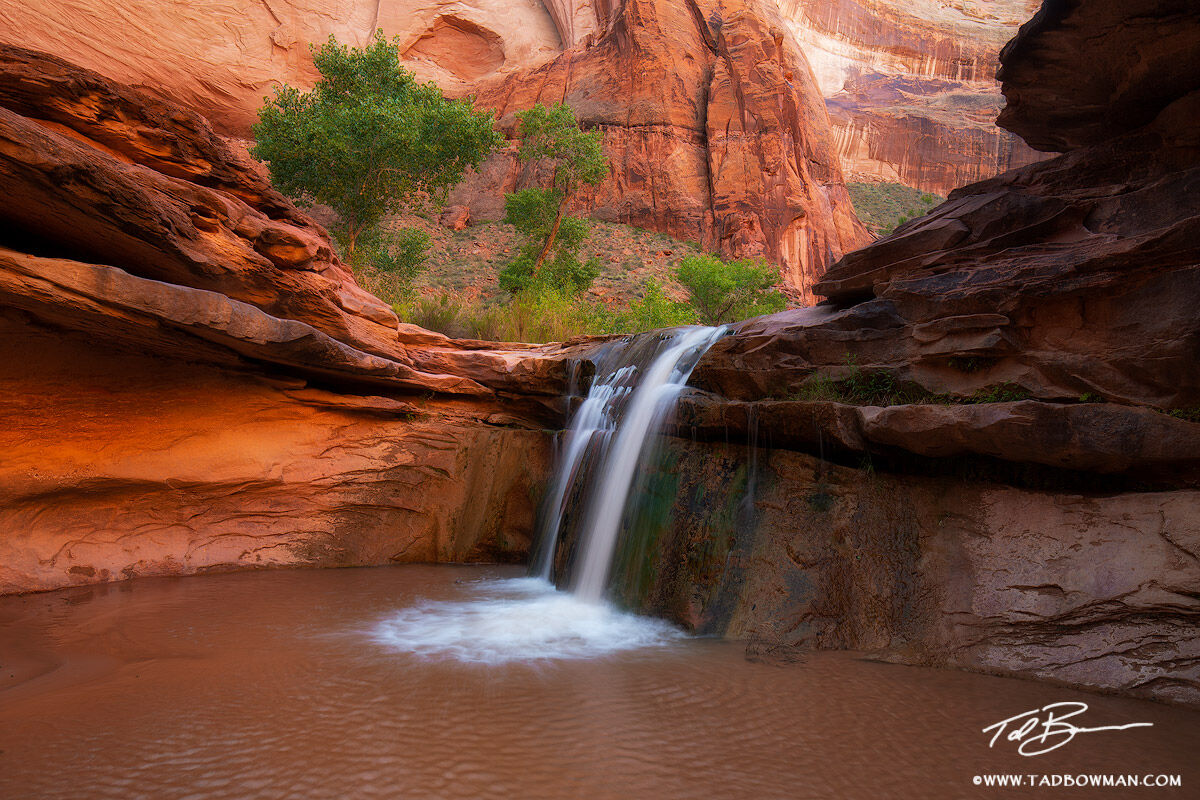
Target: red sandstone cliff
<point>911,87</point>
<point>222,58</point>
<point>714,129</point>
<point>908,86</point>
<point>714,125</point>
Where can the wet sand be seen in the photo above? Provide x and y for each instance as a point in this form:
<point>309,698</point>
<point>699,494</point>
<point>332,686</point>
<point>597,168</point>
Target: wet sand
<point>278,685</point>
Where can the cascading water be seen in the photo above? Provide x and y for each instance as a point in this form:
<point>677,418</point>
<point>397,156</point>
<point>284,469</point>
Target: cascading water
<point>636,386</point>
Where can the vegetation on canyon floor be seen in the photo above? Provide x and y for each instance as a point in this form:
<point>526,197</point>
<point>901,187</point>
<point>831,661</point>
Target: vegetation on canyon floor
<point>883,207</point>
<point>370,142</point>
<point>723,292</point>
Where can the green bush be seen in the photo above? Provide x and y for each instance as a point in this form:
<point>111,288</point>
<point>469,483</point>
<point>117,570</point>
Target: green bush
<point>439,313</point>
<point>406,256</point>
<point>724,292</point>
<point>543,314</point>
<point>653,310</point>
<point>534,212</point>
<point>389,263</point>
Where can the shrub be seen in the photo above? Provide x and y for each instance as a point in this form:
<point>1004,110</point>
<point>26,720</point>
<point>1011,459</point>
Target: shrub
<point>653,310</point>
<point>723,292</point>
<point>390,263</point>
<point>534,212</point>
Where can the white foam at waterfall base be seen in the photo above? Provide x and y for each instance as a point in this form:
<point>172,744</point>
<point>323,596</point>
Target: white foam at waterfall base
<point>523,619</point>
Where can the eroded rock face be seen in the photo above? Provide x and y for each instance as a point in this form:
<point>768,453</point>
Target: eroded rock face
<point>911,86</point>
<point>712,117</point>
<point>221,57</point>
<point>1073,277</point>
<point>1088,590</point>
<point>1142,56</point>
<point>714,128</point>
<point>193,381</point>
<point>712,120</point>
<point>982,450</point>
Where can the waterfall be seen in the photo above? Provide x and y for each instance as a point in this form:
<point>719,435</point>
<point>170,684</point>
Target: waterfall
<point>636,384</point>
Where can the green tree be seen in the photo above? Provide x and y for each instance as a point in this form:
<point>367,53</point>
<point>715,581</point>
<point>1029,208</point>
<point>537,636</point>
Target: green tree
<point>551,137</point>
<point>537,215</point>
<point>728,291</point>
<point>394,261</point>
<point>368,138</point>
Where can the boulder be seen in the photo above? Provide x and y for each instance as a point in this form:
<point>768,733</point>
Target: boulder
<point>456,218</point>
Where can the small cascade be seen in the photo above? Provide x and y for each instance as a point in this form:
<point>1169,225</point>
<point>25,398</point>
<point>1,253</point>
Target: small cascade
<point>636,385</point>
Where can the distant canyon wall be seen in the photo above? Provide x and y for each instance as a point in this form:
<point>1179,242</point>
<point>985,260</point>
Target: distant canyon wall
<point>712,111</point>
<point>911,86</point>
<point>714,129</point>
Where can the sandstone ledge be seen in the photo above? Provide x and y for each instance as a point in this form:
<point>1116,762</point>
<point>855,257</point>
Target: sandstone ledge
<point>1144,445</point>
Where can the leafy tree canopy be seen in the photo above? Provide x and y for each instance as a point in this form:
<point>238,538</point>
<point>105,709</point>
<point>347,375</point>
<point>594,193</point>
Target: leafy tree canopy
<point>368,137</point>
<point>535,213</point>
<point>553,134</point>
<point>724,292</point>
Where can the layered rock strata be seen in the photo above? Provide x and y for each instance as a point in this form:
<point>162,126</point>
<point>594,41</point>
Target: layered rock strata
<point>715,129</point>
<point>193,381</point>
<point>982,450</point>
<point>910,86</point>
<point>1058,583</point>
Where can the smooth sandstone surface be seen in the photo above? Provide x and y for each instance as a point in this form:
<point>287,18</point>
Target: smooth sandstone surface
<point>193,380</point>
<point>118,465</point>
<point>222,57</point>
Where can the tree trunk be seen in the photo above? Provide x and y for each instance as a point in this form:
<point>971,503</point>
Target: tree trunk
<point>537,265</point>
<point>352,234</point>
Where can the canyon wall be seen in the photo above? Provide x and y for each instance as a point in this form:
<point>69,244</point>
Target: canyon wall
<point>714,129</point>
<point>910,86</point>
<point>222,57</point>
<point>193,381</point>
<point>712,110</point>
<point>984,449</point>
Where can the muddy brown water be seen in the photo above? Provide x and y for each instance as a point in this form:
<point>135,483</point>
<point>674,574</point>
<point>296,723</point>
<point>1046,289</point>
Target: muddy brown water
<point>278,685</point>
